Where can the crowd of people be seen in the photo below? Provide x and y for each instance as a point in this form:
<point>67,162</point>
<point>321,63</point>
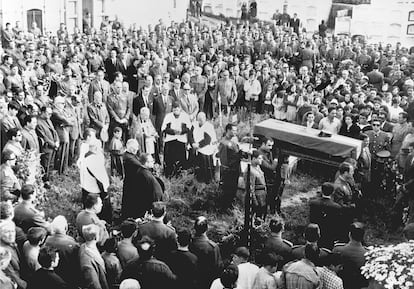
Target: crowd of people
<point>151,96</point>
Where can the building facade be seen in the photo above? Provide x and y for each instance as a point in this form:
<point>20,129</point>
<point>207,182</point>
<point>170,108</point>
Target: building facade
<point>48,14</point>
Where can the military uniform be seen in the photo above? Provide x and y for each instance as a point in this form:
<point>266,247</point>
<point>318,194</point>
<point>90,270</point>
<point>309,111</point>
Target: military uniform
<point>379,141</point>
<point>209,260</point>
<point>353,256</point>
<point>229,155</point>
<point>275,244</point>
<point>298,252</point>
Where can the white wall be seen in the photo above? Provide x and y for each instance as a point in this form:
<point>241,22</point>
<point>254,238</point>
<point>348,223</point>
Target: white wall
<point>383,21</point>
<point>16,10</point>
<point>144,12</point>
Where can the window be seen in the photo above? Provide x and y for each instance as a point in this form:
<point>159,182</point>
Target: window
<point>410,29</point>
<point>411,16</point>
<point>34,15</point>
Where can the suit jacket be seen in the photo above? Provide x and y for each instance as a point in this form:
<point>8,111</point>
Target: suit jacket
<point>104,87</point>
<point>138,103</point>
<point>163,235</point>
<point>68,248</point>
<point>98,116</point>
<point>46,279</point>
<point>174,95</point>
<point>93,270</point>
<point>62,121</point>
<point>342,193</point>
<point>160,110</point>
<point>110,69</point>
<point>120,67</point>
<point>27,216</point>
<point>387,126</point>
<point>86,218</point>
<point>30,140</point>
<point>47,133</point>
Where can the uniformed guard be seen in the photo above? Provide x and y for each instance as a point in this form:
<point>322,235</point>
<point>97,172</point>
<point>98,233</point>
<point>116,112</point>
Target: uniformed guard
<point>312,235</point>
<point>229,154</point>
<point>379,141</point>
<point>207,252</point>
<point>276,244</point>
<point>268,166</point>
<point>353,255</point>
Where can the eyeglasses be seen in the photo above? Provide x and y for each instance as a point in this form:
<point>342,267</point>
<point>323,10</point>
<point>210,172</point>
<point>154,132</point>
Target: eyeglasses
<point>13,159</point>
<point>19,134</point>
<point>376,124</point>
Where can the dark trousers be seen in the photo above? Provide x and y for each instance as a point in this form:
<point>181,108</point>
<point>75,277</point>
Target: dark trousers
<point>73,150</point>
<point>230,181</point>
<point>204,168</point>
<point>46,161</point>
<point>62,155</point>
<point>174,157</point>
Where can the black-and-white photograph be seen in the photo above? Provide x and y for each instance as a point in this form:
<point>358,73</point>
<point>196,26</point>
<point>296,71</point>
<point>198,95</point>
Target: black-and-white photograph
<point>207,144</point>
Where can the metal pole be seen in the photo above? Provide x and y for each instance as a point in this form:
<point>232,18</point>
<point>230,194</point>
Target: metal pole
<point>248,210</point>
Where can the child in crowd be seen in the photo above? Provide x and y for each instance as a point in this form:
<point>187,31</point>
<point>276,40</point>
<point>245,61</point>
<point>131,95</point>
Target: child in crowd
<point>116,149</point>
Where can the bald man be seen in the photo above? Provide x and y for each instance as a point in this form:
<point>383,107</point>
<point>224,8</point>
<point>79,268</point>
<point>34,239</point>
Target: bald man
<point>131,166</point>
<point>203,141</point>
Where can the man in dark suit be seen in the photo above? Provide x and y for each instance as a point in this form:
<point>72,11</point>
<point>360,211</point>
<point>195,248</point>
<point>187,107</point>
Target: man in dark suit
<point>98,114</point>
<point>93,272</point>
<point>295,23</point>
<point>143,99</point>
<point>386,126</point>
<point>49,140</point>
<point>45,277</point>
<point>325,212</point>
<point>162,234</point>
<point>110,66</point>
<point>122,65</point>
<point>62,121</point>
<point>162,105</point>
<point>68,248</point>
<point>353,256</point>
<point>99,84</point>
<point>30,141</point>
<point>375,77</point>
<point>25,213</point>
<point>175,91</point>
<point>207,252</point>
<point>183,262</point>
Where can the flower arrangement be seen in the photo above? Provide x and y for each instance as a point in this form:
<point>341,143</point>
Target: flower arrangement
<point>29,171</point>
<point>391,266</point>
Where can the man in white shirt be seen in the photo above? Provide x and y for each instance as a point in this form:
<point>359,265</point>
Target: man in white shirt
<point>330,123</point>
<point>175,127</point>
<point>94,178</point>
<point>247,270</point>
<point>252,90</point>
<point>204,143</point>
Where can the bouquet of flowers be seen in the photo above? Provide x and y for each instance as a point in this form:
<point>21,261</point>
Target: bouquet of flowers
<point>391,266</point>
